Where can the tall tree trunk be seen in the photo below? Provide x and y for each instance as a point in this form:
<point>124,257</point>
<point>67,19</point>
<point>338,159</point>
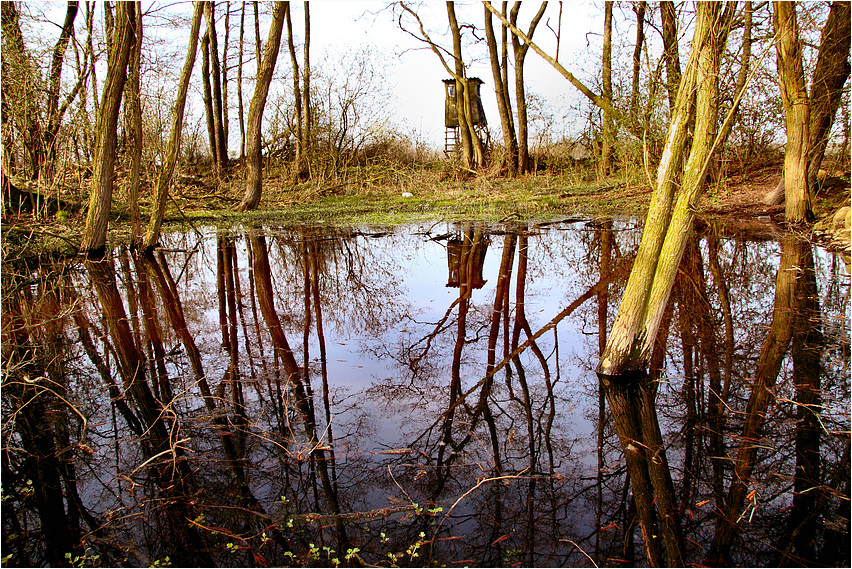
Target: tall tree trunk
<point>152,235</point>
<point>53,112</point>
<point>670,47</point>
<point>255,116</point>
<point>299,170</point>
<point>639,8</point>
<point>221,149</point>
<point>307,129</point>
<point>462,95</point>
<point>520,51</point>
<point>666,228</point>
<point>100,189</point>
<point>240,110</point>
<point>133,122</point>
<point>225,133</point>
<point>207,99</point>
<point>831,73</point>
<point>507,123</point>
<point>608,126</point>
<point>794,96</point>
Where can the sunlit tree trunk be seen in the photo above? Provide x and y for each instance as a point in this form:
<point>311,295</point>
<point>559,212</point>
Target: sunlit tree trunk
<point>794,96</point>
<point>608,126</point>
<point>221,149</point>
<point>240,110</point>
<point>668,14</point>
<point>100,189</point>
<point>152,235</point>
<point>133,122</point>
<point>504,105</point>
<point>466,133</point>
<point>667,224</point>
<point>639,8</point>
<point>300,170</point>
<point>830,75</point>
<point>53,110</point>
<point>520,51</point>
<point>251,199</point>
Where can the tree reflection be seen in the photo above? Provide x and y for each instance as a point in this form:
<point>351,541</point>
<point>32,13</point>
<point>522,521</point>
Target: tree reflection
<point>276,396</point>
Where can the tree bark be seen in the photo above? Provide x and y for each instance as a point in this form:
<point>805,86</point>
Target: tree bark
<point>299,170</point>
<point>152,235</point>
<point>100,190</point>
<point>639,8</point>
<point>251,199</point>
<point>221,149</point>
<point>133,122</point>
<point>504,107</point>
<point>240,111</point>
<point>670,47</point>
<point>608,126</point>
<point>794,96</point>
<point>831,73</point>
<point>470,159</point>
<point>520,51</point>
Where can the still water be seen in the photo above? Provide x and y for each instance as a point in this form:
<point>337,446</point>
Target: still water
<point>421,395</point>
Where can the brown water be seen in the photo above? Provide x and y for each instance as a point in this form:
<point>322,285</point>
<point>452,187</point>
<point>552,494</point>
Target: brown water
<point>268,396</point>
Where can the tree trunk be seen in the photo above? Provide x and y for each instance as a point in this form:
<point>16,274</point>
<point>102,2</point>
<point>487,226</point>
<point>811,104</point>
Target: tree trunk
<point>240,110</point>
<point>253,142</point>
<point>221,149</point>
<point>520,51</point>
<point>608,126</point>
<point>299,170</point>
<point>133,122</point>
<point>306,92</point>
<point>832,70</point>
<point>666,231</point>
<point>100,190</point>
<point>670,47</point>
<point>462,96</point>
<point>510,143</point>
<point>639,8</point>
<point>794,96</point>
<point>207,99</point>
<point>53,113</point>
<point>165,177</point>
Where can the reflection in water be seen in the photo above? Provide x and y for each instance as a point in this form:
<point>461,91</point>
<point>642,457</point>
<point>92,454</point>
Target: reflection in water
<point>274,396</point>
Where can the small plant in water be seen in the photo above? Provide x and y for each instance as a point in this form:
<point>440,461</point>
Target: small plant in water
<point>165,562</point>
<point>88,559</point>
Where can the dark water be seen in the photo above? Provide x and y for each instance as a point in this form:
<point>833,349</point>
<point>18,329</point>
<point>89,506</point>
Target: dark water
<point>311,396</point>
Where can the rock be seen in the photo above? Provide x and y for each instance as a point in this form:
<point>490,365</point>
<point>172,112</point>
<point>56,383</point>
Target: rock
<point>407,195</point>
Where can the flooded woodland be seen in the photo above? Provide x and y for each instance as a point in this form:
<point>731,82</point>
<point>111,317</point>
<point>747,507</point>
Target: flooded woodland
<point>422,395</point>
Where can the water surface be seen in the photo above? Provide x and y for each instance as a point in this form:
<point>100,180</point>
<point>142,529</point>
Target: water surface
<point>418,395</point>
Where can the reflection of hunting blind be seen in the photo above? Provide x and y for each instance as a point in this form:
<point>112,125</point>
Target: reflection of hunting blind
<point>465,262</point>
<point>451,112</point>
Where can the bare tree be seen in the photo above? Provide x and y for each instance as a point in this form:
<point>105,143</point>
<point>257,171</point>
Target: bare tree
<point>253,143</point>
<point>100,189</point>
<point>152,235</point>
<point>501,90</point>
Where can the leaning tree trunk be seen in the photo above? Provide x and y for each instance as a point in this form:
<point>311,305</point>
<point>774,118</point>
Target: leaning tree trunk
<point>100,191</point>
<point>253,143</point>
<point>794,96</point>
<point>163,181</point>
